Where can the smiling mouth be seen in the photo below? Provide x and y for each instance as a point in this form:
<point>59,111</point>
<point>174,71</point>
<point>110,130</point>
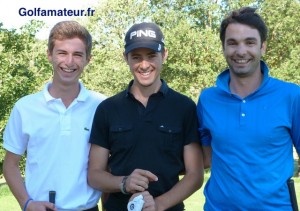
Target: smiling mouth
<point>67,70</point>
<point>241,61</point>
<point>146,73</point>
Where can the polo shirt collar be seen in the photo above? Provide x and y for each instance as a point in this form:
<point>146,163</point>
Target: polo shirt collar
<point>83,94</point>
<point>224,77</point>
<point>163,88</point>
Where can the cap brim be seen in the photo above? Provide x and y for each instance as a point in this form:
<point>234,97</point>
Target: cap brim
<point>151,45</point>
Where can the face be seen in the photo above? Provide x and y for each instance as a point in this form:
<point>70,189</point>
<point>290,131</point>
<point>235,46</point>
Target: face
<point>145,66</point>
<point>243,50</point>
<point>68,60</point>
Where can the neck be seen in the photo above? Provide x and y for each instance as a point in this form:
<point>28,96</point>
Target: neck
<point>245,86</point>
<point>142,93</point>
<point>67,93</point>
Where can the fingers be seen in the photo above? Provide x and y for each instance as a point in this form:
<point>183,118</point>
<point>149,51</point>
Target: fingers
<point>40,206</point>
<point>138,180</point>
<point>136,183</point>
<point>51,206</point>
<point>149,203</point>
<point>147,174</point>
<point>151,177</point>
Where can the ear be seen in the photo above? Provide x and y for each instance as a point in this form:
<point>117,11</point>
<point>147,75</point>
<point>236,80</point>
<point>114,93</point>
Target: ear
<point>88,59</point>
<point>165,55</point>
<point>263,48</point>
<point>125,56</point>
<point>49,56</point>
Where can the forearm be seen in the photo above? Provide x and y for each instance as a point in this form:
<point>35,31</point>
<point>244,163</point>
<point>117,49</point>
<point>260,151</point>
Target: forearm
<point>192,180</point>
<point>99,176</point>
<point>190,183</point>
<point>104,181</point>
<point>207,153</point>
<point>15,182</point>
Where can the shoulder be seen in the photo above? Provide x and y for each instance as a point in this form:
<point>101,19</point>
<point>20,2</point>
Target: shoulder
<point>285,86</point>
<point>179,97</point>
<point>24,104</point>
<point>30,98</point>
<point>208,92</point>
<point>115,99</point>
<point>97,96</point>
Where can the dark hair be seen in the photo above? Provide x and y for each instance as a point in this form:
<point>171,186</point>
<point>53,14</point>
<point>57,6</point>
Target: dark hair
<point>247,16</point>
<point>68,30</point>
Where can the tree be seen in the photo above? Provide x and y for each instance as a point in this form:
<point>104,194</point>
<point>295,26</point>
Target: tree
<point>108,73</point>
<point>23,67</point>
<point>284,38</point>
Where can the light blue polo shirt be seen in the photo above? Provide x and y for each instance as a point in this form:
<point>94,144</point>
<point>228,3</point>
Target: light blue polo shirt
<point>251,140</point>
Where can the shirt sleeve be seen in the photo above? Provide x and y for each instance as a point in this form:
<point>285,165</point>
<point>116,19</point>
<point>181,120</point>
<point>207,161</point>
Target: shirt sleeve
<point>99,133</point>
<point>295,131</point>
<point>191,125</point>
<point>205,136</point>
<point>15,140</point>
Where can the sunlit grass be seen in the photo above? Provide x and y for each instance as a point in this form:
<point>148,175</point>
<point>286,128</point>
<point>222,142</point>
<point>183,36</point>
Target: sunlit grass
<point>194,202</point>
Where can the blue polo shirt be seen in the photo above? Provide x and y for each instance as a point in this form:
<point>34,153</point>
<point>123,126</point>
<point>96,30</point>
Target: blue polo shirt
<point>251,140</point>
<point>150,138</point>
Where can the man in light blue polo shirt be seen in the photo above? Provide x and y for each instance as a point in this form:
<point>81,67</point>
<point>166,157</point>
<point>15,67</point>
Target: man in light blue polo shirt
<point>249,123</point>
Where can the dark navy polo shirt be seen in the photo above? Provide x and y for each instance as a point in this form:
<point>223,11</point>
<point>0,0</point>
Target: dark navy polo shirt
<point>150,138</point>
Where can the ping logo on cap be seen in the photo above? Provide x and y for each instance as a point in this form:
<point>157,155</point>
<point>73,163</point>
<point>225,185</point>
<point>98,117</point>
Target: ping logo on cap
<point>140,33</point>
<point>144,35</point>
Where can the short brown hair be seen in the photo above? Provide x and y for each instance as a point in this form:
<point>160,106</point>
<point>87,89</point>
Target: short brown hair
<point>247,16</point>
<point>68,30</point>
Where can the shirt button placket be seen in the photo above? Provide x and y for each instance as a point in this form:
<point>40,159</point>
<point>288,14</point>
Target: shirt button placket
<point>243,112</point>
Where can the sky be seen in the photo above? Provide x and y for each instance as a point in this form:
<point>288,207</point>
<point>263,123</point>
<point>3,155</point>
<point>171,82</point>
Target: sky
<point>15,13</point>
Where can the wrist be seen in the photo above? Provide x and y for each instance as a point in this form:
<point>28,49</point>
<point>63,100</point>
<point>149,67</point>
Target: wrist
<point>159,203</point>
<point>123,185</point>
<point>26,203</point>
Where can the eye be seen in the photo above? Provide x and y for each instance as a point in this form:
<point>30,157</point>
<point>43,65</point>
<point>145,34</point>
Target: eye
<point>231,43</point>
<point>135,58</point>
<point>78,55</point>
<point>251,42</point>
<point>152,55</point>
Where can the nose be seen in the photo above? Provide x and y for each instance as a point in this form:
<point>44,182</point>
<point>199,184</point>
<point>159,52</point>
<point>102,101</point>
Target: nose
<point>69,59</point>
<point>144,64</point>
<point>241,50</point>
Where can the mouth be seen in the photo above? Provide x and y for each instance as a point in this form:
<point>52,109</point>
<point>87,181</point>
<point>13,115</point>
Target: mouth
<point>68,70</point>
<point>241,61</point>
<point>145,73</point>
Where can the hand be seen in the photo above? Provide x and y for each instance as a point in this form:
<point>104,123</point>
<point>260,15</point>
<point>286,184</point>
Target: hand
<point>40,206</point>
<point>149,203</point>
<point>138,180</point>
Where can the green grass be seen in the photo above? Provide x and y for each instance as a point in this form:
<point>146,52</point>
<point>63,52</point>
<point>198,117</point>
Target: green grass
<point>7,200</point>
<point>194,202</point>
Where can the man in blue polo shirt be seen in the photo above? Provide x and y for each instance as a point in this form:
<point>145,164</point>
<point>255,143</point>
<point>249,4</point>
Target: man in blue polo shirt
<point>248,123</point>
<point>146,136</point>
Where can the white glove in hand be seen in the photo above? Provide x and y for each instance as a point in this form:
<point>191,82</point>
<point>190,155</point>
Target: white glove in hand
<point>136,204</point>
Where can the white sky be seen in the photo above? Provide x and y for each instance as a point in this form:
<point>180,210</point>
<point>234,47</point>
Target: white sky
<point>10,17</point>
